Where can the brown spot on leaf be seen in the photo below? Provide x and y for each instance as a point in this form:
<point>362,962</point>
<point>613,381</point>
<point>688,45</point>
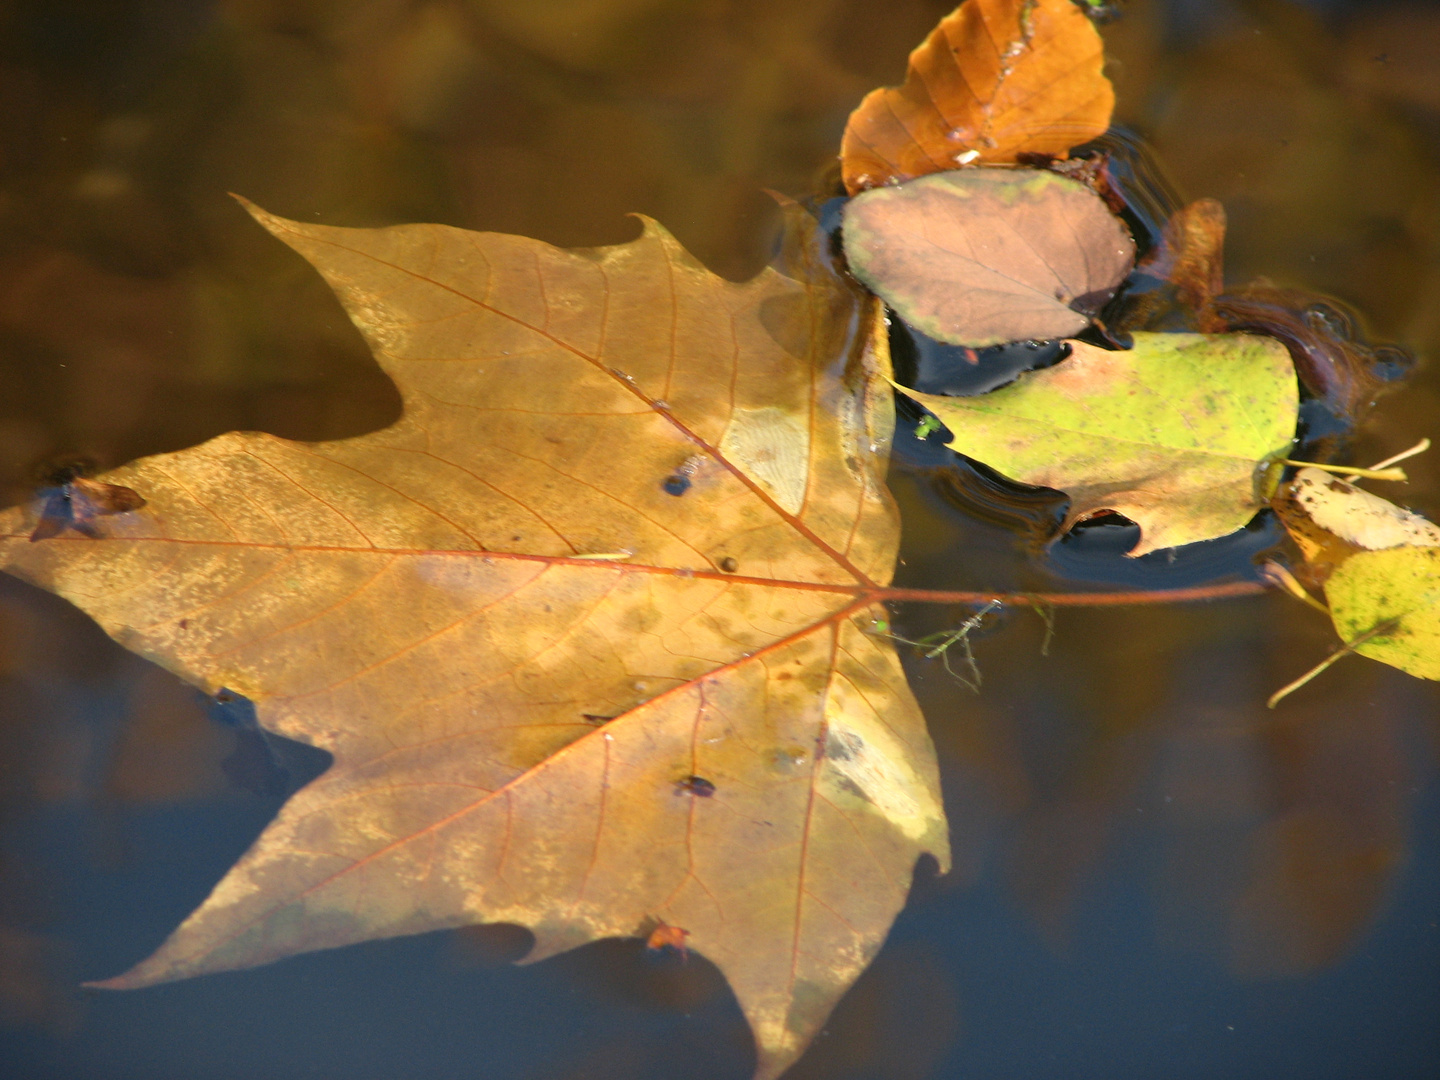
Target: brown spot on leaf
<point>694,785</point>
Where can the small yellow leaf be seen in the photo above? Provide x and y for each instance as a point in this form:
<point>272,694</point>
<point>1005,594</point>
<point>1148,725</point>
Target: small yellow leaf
<point>1399,585</point>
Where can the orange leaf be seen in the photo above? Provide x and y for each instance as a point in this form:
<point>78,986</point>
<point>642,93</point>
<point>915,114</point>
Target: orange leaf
<point>996,79</point>
<point>585,630</point>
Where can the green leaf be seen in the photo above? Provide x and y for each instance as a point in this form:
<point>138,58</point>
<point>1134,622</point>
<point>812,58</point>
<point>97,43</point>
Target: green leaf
<point>1400,584</point>
<point>1170,433</point>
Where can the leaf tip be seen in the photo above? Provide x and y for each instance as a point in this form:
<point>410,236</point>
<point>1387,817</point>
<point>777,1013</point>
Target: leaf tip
<point>271,222</point>
<point>249,206</point>
<point>118,982</point>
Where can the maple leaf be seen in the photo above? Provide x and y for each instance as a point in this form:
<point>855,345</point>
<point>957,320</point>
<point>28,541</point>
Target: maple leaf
<point>985,256</point>
<point>995,79</point>
<point>622,488</point>
<point>1170,433</point>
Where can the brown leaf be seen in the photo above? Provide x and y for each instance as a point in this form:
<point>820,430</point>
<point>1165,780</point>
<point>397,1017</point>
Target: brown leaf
<point>452,606</point>
<point>996,79</point>
<point>983,256</point>
<point>1191,258</point>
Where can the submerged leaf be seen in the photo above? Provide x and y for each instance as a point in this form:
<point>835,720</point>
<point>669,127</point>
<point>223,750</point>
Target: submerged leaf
<point>994,80</point>
<point>1190,259</point>
<point>520,729</point>
<point>984,256</point>
<point>1170,433</point>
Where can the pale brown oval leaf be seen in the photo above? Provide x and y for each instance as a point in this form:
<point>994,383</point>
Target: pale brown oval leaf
<point>621,488</point>
<point>983,256</point>
<point>995,79</point>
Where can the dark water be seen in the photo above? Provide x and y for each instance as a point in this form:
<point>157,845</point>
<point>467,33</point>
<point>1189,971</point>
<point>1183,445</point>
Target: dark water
<point>1155,877</point>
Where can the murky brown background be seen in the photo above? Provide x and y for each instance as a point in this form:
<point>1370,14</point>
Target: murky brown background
<point>1154,877</point>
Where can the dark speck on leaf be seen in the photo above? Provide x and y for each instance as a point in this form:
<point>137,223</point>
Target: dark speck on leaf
<point>729,565</point>
<point>676,484</point>
<point>695,785</point>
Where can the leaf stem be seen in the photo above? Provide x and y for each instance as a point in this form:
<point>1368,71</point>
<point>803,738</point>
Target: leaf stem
<point>1290,687</point>
<point>1353,470</point>
<point>1280,577</point>
<point>1096,599</point>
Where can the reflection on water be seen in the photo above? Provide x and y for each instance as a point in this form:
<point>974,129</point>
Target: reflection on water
<point>1154,875</point>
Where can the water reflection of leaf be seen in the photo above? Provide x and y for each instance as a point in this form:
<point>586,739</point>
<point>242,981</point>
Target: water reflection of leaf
<point>1269,848</point>
<point>35,987</point>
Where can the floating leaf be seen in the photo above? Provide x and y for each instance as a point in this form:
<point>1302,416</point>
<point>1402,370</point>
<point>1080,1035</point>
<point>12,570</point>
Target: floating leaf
<point>1399,586</point>
<point>1334,362</point>
<point>996,79</point>
<point>1379,564</point>
<point>1170,433</point>
<point>584,630</point>
<point>1331,519</point>
<point>983,256</point>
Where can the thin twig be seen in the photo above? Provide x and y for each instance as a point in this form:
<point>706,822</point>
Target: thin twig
<point>939,644</point>
<point>1419,448</point>
<point>1346,649</point>
<point>1047,616</point>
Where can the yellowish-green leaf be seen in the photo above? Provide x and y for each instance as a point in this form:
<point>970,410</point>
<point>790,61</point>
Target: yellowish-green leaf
<point>1399,585</point>
<point>1380,566</point>
<point>1170,433</point>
